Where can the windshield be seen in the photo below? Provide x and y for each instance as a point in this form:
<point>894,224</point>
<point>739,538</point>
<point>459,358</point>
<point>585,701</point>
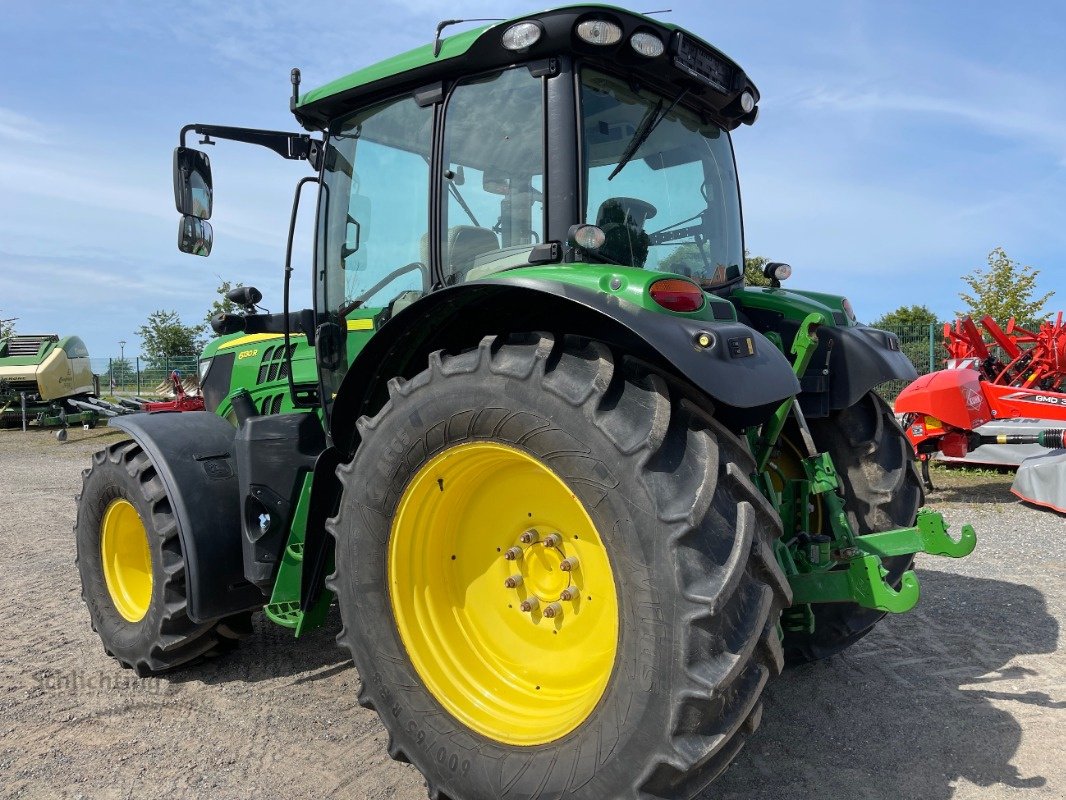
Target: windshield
<point>674,206</point>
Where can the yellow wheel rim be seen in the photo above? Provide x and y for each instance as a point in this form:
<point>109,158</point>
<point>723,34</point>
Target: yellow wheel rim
<point>127,560</point>
<point>788,465</point>
<point>517,677</point>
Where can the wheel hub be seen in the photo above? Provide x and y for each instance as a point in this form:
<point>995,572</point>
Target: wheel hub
<point>126,560</point>
<point>540,570</point>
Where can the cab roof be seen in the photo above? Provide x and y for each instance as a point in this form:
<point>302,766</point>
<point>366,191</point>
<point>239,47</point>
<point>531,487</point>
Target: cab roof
<point>480,49</point>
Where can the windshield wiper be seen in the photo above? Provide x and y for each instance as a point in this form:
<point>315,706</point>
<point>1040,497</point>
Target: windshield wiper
<point>647,126</point>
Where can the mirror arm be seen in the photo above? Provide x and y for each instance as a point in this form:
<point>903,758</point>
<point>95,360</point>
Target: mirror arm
<point>295,146</point>
<point>299,322</point>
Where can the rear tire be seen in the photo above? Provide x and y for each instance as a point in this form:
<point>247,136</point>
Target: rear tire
<point>164,637</point>
<point>688,537</point>
<point>875,464</point>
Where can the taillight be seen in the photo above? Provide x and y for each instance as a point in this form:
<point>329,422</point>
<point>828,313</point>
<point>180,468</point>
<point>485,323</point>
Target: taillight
<point>677,295</point>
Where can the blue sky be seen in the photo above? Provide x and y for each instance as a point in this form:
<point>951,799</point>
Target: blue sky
<point>898,143</point>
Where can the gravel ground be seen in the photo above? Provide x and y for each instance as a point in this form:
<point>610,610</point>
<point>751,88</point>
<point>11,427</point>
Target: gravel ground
<point>965,697</point>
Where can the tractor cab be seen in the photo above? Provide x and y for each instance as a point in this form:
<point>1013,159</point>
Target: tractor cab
<point>583,135</point>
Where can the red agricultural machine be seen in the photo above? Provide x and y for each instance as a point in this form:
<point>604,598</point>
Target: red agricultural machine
<point>1016,374</point>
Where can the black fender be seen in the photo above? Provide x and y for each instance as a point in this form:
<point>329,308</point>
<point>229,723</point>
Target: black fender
<point>193,454</point>
<point>848,363</point>
<point>743,384</point>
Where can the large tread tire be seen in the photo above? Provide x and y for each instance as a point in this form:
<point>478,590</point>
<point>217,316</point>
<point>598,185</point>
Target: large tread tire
<point>700,592</point>
<point>165,637</point>
<point>882,491</point>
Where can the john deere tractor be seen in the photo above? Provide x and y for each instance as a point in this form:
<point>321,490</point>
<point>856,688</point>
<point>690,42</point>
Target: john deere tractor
<point>576,490</point>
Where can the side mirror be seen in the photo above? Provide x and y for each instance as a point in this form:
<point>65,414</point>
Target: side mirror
<point>192,182</point>
<point>195,236</point>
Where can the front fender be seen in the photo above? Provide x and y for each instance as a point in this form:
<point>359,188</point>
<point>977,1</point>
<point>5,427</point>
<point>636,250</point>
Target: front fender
<point>848,363</point>
<point>851,359</point>
<point>742,372</point>
<point>193,455</point>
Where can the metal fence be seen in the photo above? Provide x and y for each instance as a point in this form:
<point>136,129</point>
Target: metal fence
<point>141,376</point>
<point>923,345</point>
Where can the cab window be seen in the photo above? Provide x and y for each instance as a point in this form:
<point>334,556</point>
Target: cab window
<point>493,175</point>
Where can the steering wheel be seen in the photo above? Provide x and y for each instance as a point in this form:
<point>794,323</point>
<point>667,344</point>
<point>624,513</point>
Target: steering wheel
<point>396,273</point>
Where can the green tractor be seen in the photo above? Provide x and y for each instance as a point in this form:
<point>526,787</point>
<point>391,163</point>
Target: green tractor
<point>576,490</point>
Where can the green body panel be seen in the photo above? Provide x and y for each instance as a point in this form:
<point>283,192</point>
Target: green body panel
<point>633,286</point>
<point>260,372</point>
<point>794,304</point>
<point>25,361</point>
<point>451,47</point>
<point>258,360</point>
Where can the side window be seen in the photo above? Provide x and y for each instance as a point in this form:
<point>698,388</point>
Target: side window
<point>493,175</point>
<point>376,219</point>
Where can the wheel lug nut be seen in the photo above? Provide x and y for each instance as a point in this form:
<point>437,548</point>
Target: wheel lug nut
<point>513,582</point>
<point>553,540</point>
<point>513,553</point>
<point>568,564</point>
<point>553,610</point>
<point>570,593</point>
<point>530,604</point>
<point>530,536</point>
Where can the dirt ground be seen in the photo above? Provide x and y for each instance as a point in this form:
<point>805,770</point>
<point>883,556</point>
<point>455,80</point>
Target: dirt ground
<point>965,697</point>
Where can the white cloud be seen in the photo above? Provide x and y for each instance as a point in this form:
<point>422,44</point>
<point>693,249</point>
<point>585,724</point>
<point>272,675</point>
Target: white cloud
<point>21,129</point>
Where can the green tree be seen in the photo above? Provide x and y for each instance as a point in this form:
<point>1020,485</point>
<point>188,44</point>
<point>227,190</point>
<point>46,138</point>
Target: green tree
<point>1004,290</point>
<point>906,315</point>
<point>7,327</point>
<point>221,304</point>
<point>164,336</point>
<point>918,331</point>
<point>753,270</point>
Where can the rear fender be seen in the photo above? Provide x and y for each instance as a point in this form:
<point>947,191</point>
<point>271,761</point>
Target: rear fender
<point>193,454</point>
<point>742,373</point>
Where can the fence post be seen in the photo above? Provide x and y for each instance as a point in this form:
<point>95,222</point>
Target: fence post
<point>932,358</point>
<point>138,376</point>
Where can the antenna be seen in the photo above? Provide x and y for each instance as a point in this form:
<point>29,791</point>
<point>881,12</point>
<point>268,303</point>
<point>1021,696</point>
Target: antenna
<point>444,23</point>
<point>294,79</point>
<point>660,11</point>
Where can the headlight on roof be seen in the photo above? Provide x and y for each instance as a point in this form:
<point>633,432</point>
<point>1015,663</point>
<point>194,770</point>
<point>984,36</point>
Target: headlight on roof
<point>647,44</point>
<point>521,36</point>
<point>599,31</point>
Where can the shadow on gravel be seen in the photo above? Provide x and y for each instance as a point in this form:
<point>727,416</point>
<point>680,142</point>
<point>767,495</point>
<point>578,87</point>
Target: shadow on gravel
<point>977,493</point>
<point>907,711</point>
<point>272,652</point>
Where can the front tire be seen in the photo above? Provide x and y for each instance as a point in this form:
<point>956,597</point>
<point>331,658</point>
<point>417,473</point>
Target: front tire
<point>678,540</point>
<point>133,571</point>
<point>875,464</point>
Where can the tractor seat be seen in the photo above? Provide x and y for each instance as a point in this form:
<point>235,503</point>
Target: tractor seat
<point>464,244</point>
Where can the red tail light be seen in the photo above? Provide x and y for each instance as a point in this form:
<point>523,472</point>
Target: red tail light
<point>677,295</point>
